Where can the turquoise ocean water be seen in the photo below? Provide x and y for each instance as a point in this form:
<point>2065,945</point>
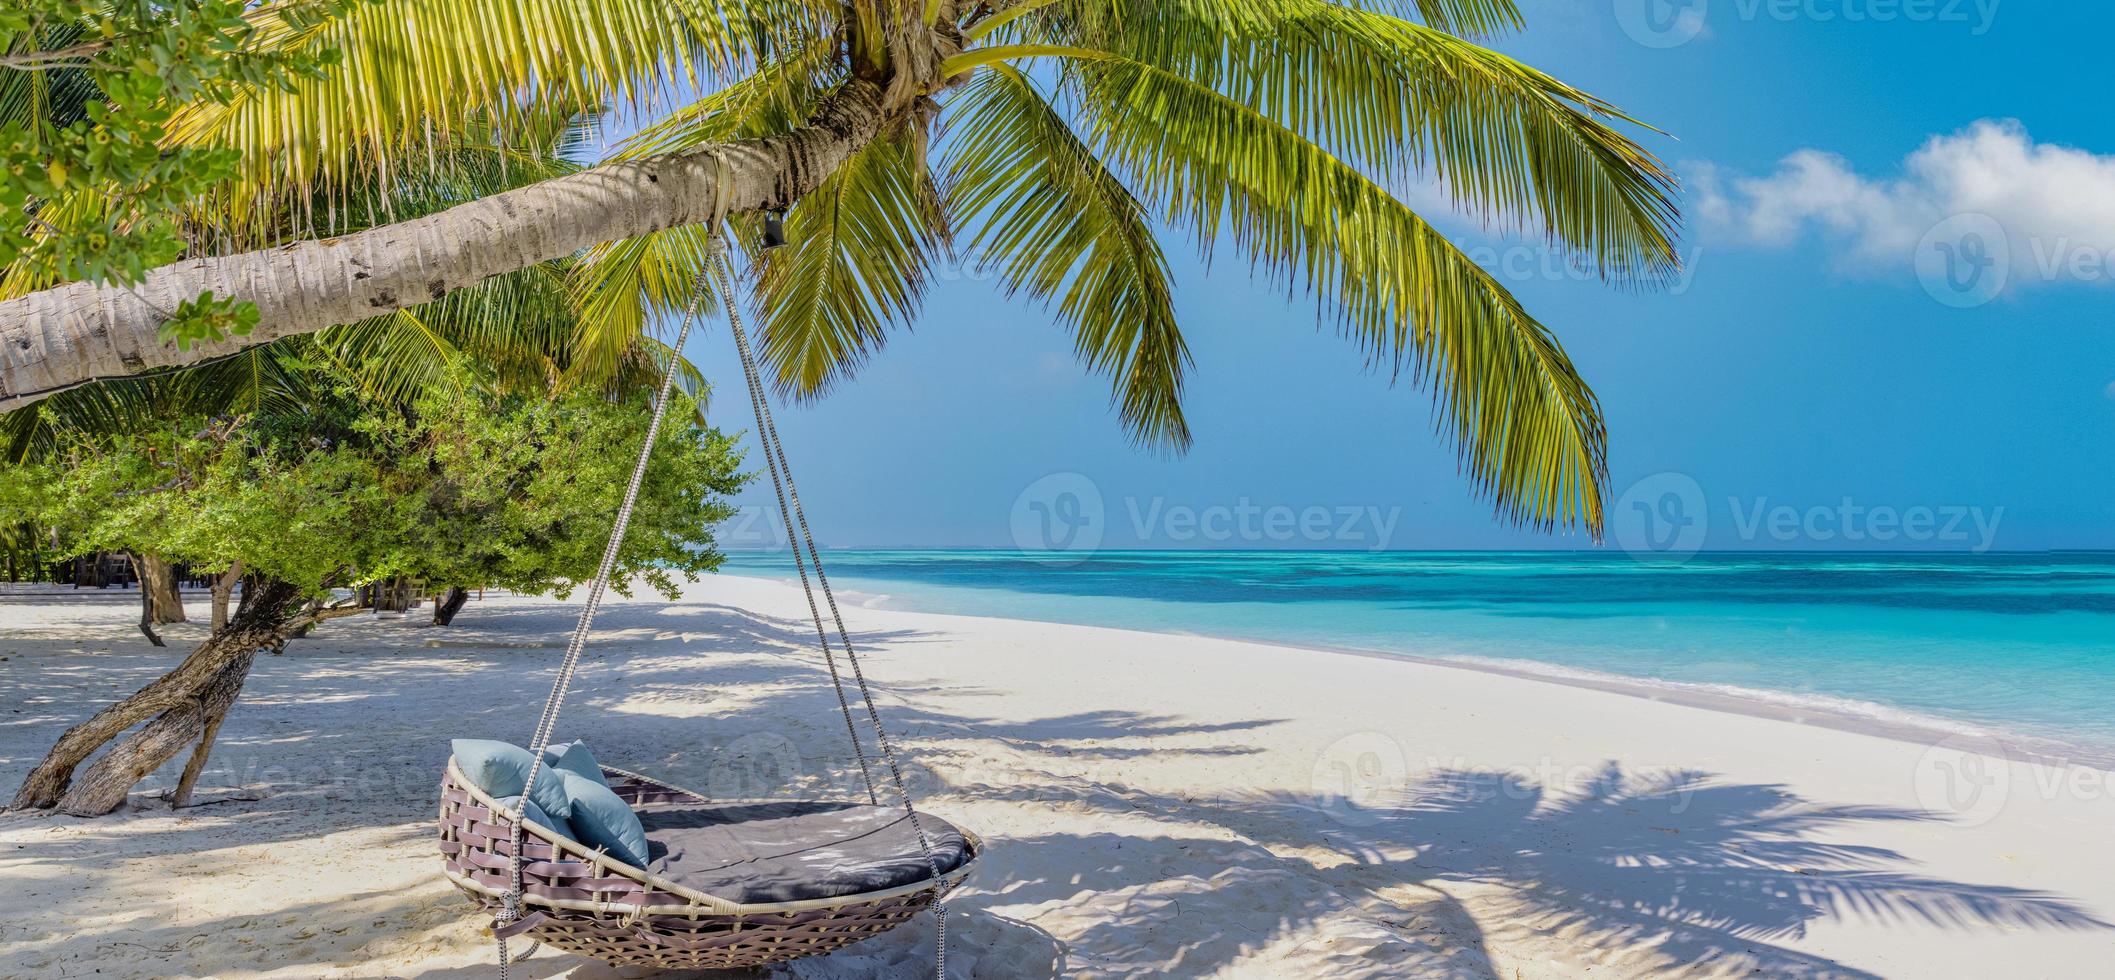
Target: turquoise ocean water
<point>2000,644</point>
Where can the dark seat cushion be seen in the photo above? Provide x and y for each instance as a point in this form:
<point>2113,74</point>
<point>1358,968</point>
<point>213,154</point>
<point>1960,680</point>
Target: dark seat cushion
<point>790,852</point>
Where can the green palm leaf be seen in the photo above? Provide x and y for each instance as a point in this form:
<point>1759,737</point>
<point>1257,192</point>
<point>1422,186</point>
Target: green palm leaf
<point>621,288</point>
<point>1412,102</point>
<point>416,71</point>
<point>857,260</point>
<point>1471,18</point>
<point>520,325</point>
<point>1060,228</point>
<point>1527,427</point>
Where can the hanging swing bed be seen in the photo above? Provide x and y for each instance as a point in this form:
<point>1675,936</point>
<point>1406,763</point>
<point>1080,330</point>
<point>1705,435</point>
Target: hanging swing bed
<point>713,884</point>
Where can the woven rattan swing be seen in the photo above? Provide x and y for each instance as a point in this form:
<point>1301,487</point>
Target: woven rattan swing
<point>754,904</point>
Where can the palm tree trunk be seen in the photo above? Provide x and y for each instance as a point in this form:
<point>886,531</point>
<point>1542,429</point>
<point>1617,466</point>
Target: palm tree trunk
<point>71,334</point>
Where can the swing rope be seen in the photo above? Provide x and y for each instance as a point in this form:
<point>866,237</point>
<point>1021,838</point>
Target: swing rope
<point>510,909</point>
<point>782,485</point>
<point>775,452</point>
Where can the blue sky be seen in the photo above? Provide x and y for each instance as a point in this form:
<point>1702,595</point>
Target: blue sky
<point>1817,383</point>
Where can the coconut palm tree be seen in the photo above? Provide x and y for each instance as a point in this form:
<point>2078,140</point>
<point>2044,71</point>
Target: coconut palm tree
<point>1058,140</point>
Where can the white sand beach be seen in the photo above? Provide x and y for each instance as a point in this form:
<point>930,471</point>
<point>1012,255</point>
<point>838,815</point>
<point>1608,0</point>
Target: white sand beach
<point>1153,805</point>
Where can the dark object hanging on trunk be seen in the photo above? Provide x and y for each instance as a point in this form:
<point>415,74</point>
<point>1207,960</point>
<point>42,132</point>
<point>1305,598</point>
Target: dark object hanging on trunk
<point>774,230</point>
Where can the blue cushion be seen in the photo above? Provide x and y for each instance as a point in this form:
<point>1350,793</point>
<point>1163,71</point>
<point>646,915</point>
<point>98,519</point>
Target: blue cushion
<point>574,757</point>
<point>600,818</point>
<point>534,814</point>
<point>501,770</point>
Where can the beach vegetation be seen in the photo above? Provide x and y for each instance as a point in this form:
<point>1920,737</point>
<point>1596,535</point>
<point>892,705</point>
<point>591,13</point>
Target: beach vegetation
<point>466,486</point>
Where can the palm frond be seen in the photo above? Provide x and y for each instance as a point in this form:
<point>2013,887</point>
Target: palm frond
<point>774,99</point>
<point>621,288</point>
<point>48,100</point>
<point>520,326</point>
<point>1527,428</point>
<point>1061,228</point>
<point>414,72</point>
<point>1471,18</point>
<point>1412,102</point>
<point>272,378</point>
<point>618,290</point>
<point>857,259</point>
<point>33,433</point>
<point>643,366</point>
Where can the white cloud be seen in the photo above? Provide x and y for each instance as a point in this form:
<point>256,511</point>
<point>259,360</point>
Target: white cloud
<point>2055,204</point>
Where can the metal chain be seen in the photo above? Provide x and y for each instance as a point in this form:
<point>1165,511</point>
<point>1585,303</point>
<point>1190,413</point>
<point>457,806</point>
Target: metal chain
<point>775,458</point>
<point>510,908</point>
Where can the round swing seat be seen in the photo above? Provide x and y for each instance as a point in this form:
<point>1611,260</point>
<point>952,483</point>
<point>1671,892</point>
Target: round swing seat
<point>730,884</point>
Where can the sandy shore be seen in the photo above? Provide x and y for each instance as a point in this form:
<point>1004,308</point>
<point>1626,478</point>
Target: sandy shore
<point>1155,805</point>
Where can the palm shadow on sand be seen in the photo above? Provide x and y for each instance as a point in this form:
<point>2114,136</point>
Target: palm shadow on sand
<point>1704,878</point>
<point>1688,873</point>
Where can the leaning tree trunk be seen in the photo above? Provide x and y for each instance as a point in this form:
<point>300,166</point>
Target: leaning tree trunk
<point>71,334</point>
<point>448,603</point>
<point>193,719</point>
<point>184,704</point>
